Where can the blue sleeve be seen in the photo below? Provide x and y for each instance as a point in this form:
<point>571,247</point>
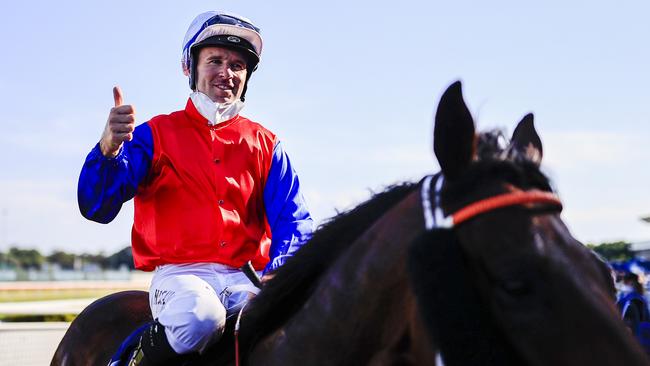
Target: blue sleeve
<point>286,211</point>
<point>106,183</point>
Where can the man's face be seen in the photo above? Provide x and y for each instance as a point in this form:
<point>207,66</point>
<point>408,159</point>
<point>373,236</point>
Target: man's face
<point>220,74</point>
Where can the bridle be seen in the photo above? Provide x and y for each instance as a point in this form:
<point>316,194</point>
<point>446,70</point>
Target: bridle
<point>434,217</point>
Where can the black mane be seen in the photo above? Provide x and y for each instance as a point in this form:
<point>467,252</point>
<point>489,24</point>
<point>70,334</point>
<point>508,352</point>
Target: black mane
<point>295,280</point>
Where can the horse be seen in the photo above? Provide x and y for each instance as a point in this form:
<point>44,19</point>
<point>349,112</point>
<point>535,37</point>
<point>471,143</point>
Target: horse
<point>473,265</point>
<point>97,332</point>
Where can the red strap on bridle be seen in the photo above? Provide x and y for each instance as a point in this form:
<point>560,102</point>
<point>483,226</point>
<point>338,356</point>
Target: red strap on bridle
<point>236,348</point>
<point>504,200</point>
<point>237,324</point>
<point>435,219</point>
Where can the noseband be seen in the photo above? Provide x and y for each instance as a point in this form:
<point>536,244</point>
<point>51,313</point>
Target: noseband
<point>434,217</point>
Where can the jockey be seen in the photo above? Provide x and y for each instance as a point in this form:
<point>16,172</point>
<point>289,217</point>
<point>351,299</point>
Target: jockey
<point>212,190</point>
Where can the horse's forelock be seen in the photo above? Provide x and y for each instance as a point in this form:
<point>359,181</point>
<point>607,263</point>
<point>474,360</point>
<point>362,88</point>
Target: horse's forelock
<point>490,145</point>
<point>483,173</point>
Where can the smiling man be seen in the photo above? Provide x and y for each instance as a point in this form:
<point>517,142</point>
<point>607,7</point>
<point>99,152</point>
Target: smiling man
<point>212,191</point>
<point>211,70</point>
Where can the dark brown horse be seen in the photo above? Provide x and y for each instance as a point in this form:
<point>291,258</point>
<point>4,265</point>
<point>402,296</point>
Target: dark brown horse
<point>97,332</point>
<point>389,284</point>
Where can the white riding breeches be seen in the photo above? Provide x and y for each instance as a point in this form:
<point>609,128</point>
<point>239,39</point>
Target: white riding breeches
<point>192,302</point>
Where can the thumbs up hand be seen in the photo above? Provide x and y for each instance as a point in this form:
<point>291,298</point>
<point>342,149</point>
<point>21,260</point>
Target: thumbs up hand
<point>119,127</point>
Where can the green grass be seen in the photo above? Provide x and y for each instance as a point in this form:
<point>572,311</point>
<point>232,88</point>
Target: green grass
<point>37,318</point>
<point>42,295</point>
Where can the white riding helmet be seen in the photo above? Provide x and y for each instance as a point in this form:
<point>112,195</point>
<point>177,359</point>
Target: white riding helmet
<point>215,28</point>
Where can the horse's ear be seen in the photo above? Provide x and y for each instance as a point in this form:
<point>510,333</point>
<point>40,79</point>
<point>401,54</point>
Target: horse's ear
<point>526,141</point>
<point>453,134</point>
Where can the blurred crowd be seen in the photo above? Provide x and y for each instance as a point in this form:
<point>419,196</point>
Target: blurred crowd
<point>633,303</point>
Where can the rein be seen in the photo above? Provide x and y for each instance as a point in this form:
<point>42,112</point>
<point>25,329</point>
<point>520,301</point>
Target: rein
<point>435,219</point>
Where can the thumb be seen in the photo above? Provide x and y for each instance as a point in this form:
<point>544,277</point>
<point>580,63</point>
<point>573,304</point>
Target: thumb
<point>117,96</point>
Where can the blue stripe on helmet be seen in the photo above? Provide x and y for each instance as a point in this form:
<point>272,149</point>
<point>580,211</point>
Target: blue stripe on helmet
<point>220,19</point>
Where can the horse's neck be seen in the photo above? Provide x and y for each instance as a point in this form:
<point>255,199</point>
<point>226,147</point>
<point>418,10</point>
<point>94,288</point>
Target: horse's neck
<point>361,304</point>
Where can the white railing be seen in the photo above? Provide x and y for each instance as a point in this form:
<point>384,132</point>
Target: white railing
<point>73,306</point>
<point>56,274</point>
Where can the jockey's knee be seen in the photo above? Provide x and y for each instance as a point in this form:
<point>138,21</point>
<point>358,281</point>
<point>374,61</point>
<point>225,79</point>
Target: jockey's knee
<point>202,324</point>
<point>193,319</point>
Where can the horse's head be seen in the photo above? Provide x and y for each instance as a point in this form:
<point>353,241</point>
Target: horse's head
<point>548,295</point>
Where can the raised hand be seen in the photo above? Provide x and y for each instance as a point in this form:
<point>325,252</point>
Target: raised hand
<point>119,127</point>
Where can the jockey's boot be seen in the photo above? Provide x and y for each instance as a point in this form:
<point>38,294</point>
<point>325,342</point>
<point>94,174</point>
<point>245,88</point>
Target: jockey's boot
<point>153,349</point>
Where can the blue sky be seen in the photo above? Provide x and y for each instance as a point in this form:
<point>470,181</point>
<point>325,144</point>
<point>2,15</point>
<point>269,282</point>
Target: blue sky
<point>350,88</point>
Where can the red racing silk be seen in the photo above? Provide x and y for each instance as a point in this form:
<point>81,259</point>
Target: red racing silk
<point>202,200</point>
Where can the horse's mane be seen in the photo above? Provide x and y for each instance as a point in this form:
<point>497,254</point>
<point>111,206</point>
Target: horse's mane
<point>294,282</point>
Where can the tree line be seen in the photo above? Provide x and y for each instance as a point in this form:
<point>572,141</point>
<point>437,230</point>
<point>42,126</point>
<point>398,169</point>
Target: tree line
<point>618,251</point>
<point>32,259</point>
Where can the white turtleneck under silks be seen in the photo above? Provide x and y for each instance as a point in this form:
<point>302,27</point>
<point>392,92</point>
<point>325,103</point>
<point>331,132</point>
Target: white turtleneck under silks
<point>215,113</point>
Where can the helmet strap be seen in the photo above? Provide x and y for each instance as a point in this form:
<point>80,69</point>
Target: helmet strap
<point>248,77</point>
